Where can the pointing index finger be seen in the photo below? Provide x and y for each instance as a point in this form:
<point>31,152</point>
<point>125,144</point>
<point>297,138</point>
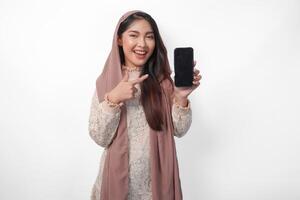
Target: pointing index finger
<point>140,79</point>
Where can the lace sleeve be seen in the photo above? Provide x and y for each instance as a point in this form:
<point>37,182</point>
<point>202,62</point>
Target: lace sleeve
<point>182,119</point>
<point>103,121</point>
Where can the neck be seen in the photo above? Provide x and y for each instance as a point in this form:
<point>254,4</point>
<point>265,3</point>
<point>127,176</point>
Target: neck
<point>132,68</point>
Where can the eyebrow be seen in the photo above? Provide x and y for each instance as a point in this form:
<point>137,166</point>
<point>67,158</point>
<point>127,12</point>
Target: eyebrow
<point>134,31</point>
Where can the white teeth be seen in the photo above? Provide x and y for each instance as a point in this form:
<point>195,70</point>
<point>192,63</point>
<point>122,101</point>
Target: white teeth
<point>140,52</point>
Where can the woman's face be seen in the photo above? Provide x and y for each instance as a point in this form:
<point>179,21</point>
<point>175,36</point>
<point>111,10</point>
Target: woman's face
<point>138,43</point>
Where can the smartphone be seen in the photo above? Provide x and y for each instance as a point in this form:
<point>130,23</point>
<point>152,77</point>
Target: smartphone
<point>184,66</point>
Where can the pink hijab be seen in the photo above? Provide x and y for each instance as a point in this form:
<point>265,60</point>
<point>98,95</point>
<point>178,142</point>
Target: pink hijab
<point>164,165</point>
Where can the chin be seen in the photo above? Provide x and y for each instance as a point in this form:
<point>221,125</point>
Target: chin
<point>140,63</point>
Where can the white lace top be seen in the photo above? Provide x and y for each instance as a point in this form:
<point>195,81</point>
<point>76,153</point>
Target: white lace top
<point>103,123</point>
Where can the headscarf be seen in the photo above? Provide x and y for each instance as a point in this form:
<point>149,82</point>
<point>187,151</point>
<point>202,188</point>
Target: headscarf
<point>165,181</point>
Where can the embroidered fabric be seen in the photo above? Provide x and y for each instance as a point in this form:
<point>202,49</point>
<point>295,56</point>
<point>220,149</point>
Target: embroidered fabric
<point>182,119</point>
<point>103,121</point>
<point>103,124</point>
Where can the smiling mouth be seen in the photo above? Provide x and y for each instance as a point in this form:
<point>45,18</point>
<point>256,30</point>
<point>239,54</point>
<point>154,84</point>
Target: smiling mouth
<point>140,52</point>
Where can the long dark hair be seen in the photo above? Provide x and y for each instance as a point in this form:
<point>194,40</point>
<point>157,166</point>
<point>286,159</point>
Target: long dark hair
<point>156,67</point>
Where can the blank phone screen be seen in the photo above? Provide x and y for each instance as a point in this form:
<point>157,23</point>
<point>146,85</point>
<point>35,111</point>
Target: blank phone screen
<point>184,64</point>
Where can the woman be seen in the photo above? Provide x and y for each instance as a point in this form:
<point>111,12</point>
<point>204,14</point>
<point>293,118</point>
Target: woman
<point>135,113</point>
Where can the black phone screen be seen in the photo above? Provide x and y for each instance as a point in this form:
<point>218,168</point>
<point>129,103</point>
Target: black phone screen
<point>184,66</point>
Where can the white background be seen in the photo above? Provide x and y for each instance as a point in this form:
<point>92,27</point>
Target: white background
<point>244,140</point>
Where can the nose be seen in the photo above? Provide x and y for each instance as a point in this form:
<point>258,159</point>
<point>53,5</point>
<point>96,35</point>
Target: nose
<point>142,42</point>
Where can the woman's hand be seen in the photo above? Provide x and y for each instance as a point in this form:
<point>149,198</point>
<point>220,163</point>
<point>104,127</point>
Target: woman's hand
<point>125,89</point>
<point>181,93</point>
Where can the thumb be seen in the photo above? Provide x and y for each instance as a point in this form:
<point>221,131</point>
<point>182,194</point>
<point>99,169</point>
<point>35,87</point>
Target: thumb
<point>126,76</point>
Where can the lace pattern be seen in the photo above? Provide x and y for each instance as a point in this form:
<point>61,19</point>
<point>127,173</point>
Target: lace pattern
<point>139,151</point>
<point>139,141</point>
<point>182,119</point>
<point>103,122</point>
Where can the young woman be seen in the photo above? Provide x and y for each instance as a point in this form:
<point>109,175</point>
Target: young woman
<point>136,111</point>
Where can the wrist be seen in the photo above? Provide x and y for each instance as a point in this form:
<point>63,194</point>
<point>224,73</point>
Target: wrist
<point>112,98</point>
<point>182,101</point>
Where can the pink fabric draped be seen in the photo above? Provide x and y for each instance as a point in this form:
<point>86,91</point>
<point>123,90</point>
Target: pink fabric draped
<point>164,165</point>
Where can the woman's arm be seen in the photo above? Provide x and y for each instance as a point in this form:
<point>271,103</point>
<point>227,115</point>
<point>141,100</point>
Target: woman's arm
<point>103,121</point>
<point>182,118</point>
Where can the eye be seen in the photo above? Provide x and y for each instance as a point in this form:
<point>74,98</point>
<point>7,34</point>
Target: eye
<point>133,35</point>
<point>150,36</point>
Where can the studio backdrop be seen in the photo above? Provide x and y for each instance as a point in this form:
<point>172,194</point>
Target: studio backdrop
<point>243,143</point>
